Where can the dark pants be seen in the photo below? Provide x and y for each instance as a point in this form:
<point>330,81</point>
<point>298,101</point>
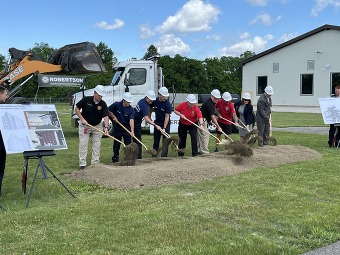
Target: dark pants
<point>2,160</point>
<point>157,136</point>
<point>138,134</point>
<point>263,128</point>
<point>119,133</point>
<point>182,133</point>
<point>332,137</point>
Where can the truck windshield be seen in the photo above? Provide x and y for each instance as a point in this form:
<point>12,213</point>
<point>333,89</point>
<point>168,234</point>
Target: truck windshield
<point>116,78</point>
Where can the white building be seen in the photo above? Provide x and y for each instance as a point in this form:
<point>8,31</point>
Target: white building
<point>300,70</point>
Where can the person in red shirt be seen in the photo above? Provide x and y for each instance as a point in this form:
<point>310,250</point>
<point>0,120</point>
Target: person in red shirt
<point>188,111</point>
<point>227,115</point>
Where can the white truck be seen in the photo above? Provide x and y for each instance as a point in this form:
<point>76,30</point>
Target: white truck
<point>134,76</point>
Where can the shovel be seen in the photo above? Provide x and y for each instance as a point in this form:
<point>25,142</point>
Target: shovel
<point>173,140</point>
<point>220,142</point>
<point>130,151</point>
<point>152,152</point>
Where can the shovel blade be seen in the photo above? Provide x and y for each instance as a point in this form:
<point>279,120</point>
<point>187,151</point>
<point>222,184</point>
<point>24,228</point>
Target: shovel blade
<point>78,58</point>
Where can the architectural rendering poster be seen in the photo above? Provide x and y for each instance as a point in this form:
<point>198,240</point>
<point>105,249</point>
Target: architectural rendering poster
<point>30,127</point>
<point>330,109</point>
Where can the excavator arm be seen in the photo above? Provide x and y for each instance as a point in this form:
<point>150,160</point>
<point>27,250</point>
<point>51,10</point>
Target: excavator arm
<point>79,58</point>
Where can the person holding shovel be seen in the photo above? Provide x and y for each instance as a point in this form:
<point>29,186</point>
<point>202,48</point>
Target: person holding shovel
<point>245,113</point>
<point>162,109</point>
<point>123,112</point>
<point>189,113</point>
<point>209,115</point>
<point>263,115</point>
<point>226,116</point>
<point>91,110</point>
<point>143,110</point>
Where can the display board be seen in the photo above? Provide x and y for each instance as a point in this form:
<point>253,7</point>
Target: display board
<point>330,109</point>
<point>29,127</point>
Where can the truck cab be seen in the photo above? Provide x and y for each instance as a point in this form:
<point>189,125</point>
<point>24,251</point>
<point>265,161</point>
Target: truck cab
<point>134,76</point>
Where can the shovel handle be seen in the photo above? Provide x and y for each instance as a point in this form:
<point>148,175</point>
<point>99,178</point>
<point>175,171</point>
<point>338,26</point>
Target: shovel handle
<point>164,133</point>
<point>233,123</point>
<point>120,124</point>
<point>101,131</point>
<point>204,130</point>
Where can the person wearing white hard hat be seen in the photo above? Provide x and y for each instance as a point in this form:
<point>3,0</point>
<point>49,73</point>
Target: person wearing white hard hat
<point>226,115</point>
<point>263,115</point>
<point>245,113</point>
<point>143,110</point>
<point>209,115</point>
<point>91,110</point>
<point>123,112</point>
<point>162,109</point>
<point>188,110</point>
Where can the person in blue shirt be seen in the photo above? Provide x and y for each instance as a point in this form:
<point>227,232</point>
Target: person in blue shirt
<point>162,109</point>
<point>143,111</point>
<point>123,112</point>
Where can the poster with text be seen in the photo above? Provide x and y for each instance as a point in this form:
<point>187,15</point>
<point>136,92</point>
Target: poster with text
<point>30,127</point>
<point>330,109</point>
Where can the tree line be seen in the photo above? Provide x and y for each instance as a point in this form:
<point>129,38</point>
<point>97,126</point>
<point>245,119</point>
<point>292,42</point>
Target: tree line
<point>182,74</point>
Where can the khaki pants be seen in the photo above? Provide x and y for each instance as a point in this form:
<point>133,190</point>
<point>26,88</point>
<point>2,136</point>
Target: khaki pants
<point>203,138</point>
<point>84,136</point>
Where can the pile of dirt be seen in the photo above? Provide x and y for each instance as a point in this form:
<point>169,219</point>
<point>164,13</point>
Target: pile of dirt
<point>172,170</point>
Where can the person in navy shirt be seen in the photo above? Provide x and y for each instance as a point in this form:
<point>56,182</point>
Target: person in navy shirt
<point>162,109</point>
<point>143,111</point>
<point>123,112</point>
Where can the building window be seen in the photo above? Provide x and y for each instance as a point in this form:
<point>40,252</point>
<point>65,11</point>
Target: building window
<point>335,81</point>
<point>310,65</point>
<point>307,84</point>
<point>275,67</point>
<point>262,82</point>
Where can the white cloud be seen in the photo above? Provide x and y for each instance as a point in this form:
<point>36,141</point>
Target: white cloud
<point>244,36</point>
<point>171,45</point>
<point>322,4</point>
<point>145,32</point>
<point>257,44</point>
<point>285,37</point>
<point>104,25</point>
<point>264,18</point>
<point>194,16</point>
<point>258,2</point>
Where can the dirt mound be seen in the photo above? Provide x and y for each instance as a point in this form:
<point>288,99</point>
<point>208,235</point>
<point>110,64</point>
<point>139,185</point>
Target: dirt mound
<point>172,170</point>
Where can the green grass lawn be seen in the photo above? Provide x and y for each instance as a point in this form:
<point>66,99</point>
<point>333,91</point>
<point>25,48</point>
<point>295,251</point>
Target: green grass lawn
<point>289,209</point>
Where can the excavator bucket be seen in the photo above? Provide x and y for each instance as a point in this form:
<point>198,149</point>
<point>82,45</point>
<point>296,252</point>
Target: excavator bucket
<point>78,58</point>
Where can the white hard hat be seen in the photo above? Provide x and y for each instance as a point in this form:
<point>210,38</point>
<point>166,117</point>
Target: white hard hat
<point>226,96</point>
<point>246,95</point>
<point>216,93</point>
<point>269,90</point>
<point>163,91</point>
<point>191,99</point>
<point>127,97</point>
<point>151,95</point>
<point>100,90</point>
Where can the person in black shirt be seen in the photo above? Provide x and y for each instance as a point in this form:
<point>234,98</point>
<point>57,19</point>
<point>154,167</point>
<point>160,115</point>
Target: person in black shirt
<point>3,97</point>
<point>91,110</point>
<point>209,115</point>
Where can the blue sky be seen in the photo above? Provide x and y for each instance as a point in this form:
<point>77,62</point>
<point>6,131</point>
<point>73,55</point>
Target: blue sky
<point>192,28</point>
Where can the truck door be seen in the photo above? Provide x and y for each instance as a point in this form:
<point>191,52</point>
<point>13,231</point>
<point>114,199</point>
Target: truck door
<point>138,81</point>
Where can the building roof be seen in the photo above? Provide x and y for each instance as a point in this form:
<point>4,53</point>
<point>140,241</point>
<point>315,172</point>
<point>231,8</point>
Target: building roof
<point>294,40</point>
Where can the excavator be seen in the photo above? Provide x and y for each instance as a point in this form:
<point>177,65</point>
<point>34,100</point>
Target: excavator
<point>78,58</point>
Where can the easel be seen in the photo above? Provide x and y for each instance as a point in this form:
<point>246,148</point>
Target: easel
<point>41,164</point>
